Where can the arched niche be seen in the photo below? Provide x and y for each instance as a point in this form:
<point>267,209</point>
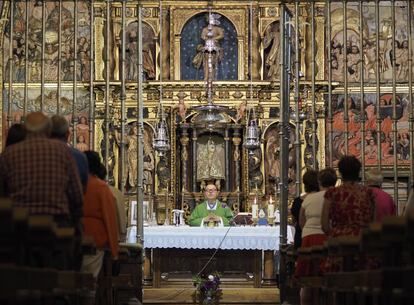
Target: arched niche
<point>272,158</point>
<point>131,161</point>
<point>131,49</point>
<point>271,51</point>
<point>190,45</point>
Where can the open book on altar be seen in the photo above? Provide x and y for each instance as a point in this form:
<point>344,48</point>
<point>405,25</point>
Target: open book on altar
<point>243,219</point>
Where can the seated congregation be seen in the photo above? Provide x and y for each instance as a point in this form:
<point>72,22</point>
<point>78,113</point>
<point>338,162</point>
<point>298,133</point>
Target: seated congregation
<point>350,246</point>
<point>61,226</point>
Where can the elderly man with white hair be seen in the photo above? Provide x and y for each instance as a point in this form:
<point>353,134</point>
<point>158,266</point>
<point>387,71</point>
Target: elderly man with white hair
<point>384,204</point>
<point>40,174</point>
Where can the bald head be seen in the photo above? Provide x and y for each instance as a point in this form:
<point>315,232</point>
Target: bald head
<point>374,177</point>
<point>60,127</point>
<point>37,123</point>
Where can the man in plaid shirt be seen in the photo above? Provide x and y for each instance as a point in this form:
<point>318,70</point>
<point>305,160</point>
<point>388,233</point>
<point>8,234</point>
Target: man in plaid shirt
<point>40,174</point>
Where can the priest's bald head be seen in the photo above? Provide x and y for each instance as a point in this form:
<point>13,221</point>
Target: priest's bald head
<point>37,123</point>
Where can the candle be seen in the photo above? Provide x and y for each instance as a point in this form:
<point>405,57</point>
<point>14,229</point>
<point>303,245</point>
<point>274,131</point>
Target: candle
<point>270,210</point>
<point>255,209</point>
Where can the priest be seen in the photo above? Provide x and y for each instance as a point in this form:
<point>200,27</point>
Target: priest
<point>211,212</point>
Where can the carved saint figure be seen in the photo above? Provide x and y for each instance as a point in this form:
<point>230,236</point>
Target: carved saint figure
<point>149,163</point>
<point>132,58</point>
<point>210,161</point>
<point>132,143</point>
<point>401,60</point>
<point>82,129</point>
<point>163,173</point>
<point>182,109</point>
<point>241,110</point>
<point>273,155</point>
<point>211,34</point>
<point>272,60</point>
<point>353,60</point>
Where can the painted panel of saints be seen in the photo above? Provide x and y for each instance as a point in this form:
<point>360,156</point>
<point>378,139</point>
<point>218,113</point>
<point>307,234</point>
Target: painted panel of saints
<point>50,108</point>
<point>35,37</point>
<point>371,135</point>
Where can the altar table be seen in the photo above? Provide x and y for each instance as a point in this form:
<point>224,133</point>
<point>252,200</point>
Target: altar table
<point>245,256</point>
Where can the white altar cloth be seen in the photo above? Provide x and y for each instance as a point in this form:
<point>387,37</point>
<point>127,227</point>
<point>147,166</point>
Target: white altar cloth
<point>237,238</point>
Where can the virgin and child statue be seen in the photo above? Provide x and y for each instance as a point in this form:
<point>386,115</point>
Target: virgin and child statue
<point>210,161</point>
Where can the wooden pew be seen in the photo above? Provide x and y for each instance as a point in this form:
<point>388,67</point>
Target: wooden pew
<point>33,246</point>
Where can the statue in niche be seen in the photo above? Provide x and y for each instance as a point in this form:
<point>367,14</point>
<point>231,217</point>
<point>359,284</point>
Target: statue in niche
<point>272,157</point>
<point>210,161</point>
<point>111,156</point>
<point>132,155</point>
<point>255,175</point>
<point>132,159</point>
<point>211,34</point>
<point>308,153</point>
<point>273,154</point>
<point>148,64</point>
<point>272,61</point>
<point>149,163</point>
<point>163,173</point>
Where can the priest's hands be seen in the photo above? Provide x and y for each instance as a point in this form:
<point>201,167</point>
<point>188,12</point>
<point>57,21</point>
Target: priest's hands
<point>212,218</point>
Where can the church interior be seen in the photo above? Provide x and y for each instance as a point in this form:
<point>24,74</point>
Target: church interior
<point>234,100</point>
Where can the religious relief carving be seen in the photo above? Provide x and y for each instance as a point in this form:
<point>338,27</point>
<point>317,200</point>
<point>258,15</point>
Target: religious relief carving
<point>210,159</point>
<point>353,47</point>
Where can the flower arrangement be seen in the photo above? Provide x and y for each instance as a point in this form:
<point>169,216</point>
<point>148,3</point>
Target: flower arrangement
<point>208,290</point>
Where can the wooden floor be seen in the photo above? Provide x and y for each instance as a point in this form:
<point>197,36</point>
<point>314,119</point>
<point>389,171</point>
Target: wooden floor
<point>231,296</point>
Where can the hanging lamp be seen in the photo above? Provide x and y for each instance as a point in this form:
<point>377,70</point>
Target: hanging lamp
<point>210,114</point>
<point>161,142</point>
<point>252,137</point>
